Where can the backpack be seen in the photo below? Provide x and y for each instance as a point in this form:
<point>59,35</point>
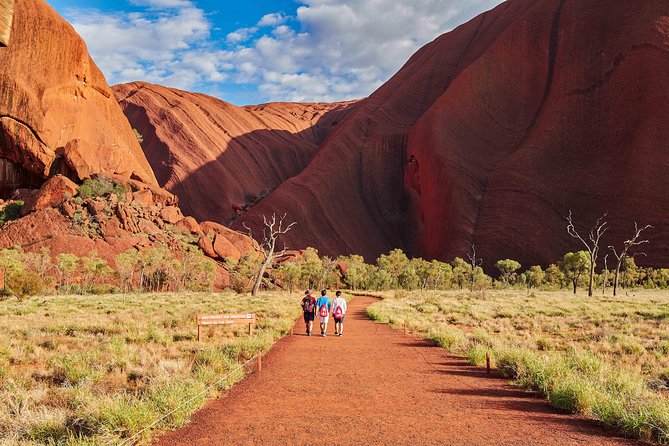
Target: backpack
<point>323,311</point>
<point>308,305</point>
<point>338,312</point>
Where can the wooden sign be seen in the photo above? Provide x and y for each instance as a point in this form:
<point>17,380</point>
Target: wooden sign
<point>225,319</point>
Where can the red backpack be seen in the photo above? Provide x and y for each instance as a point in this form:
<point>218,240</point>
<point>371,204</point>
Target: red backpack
<point>323,311</point>
<point>338,312</point>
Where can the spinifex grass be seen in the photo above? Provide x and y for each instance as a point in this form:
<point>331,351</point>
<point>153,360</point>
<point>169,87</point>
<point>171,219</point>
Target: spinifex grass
<point>602,357</point>
<point>96,370</point>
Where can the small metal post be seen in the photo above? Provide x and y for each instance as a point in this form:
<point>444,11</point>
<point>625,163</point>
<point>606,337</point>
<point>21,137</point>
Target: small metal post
<point>487,362</point>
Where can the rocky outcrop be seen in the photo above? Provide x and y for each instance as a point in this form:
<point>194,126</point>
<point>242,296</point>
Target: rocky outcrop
<point>57,113</point>
<point>221,159</point>
<point>492,133</point>
<point>62,221</point>
<point>53,193</point>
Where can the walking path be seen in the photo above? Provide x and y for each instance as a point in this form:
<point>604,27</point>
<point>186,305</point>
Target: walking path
<point>375,386</point>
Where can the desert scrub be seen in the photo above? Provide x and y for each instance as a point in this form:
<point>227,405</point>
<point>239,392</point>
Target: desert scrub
<point>99,187</point>
<point>601,357</point>
<point>98,369</point>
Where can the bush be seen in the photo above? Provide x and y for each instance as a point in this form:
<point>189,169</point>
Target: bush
<point>10,212</point>
<point>23,284</point>
<point>99,187</point>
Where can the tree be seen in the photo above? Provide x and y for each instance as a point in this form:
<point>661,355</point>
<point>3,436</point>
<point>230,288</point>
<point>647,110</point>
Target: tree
<point>574,265</point>
<point>535,277</point>
<point>627,245</point>
<point>592,245</point>
<point>312,268</point>
<point>126,263</point>
<point>395,263</point>
<point>290,273</point>
<point>474,262</point>
<point>355,271</point>
<point>507,267</point>
<point>272,230</point>
<point>554,276</point>
<point>66,265</point>
<point>461,270</point>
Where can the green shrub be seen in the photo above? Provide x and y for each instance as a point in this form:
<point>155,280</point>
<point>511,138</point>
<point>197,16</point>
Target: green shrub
<point>23,284</point>
<point>10,212</point>
<point>447,338</point>
<point>99,187</point>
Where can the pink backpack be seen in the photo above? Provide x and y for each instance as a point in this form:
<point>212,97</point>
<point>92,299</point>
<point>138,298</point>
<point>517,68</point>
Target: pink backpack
<point>338,312</point>
<point>323,311</point>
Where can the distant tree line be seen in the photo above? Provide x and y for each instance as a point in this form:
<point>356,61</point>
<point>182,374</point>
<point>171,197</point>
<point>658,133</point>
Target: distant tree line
<point>155,269</point>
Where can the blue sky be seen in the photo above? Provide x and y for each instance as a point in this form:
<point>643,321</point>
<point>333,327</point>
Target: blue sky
<point>254,51</point>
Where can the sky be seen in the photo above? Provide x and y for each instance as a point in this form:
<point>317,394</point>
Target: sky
<point>255,51</point>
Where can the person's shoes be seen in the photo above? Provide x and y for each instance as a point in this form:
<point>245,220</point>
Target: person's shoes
<point>336,334</point>
<point>323,335</point>
<point>308,333</point>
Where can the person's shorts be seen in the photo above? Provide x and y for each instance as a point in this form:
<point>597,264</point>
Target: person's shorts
<point>309,317</point>
<point>339,319</point>
<point>324,320</point>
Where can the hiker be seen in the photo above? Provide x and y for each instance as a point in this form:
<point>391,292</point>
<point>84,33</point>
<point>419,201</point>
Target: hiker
<point>323,307</point>
<point>309,308</point>
<point>338,313</point>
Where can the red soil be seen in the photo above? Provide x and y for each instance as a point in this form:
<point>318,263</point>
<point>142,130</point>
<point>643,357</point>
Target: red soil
<point>376,386</point>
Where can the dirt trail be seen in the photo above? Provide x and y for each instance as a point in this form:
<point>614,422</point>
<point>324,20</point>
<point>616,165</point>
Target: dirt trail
<point>375,385</point>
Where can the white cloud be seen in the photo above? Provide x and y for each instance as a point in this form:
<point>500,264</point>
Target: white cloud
<point>332,50</point>
<point>274,19</point>
<point>241,35</point>
<point>344,49</point>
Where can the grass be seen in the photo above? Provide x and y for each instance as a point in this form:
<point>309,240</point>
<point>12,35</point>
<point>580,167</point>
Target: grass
<point>602,357</point>
<point>82,370</point>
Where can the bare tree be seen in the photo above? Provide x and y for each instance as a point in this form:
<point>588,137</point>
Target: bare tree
<point>271,232</point>
<point>474,262</point>
<point>605,279</point>
<point>620,257</point>
<point>592,245</point>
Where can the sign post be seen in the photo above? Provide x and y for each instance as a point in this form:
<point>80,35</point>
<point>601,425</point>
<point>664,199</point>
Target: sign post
<point>225,319</point>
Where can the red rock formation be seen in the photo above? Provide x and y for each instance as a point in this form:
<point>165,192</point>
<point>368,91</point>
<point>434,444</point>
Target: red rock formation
<point>492,132</point>
<point>219,158</point>
<point>53,193</point>
<point>57,113</point>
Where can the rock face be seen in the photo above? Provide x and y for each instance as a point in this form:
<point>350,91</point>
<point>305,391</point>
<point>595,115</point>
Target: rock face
<point>492,133</point>
<point>6,18</point>
<point>53,193</point>
<point>221,159</point>
<point>57,113</point>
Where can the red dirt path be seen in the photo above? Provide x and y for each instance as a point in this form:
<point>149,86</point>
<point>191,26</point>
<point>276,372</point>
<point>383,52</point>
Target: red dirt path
<point>375,385</point>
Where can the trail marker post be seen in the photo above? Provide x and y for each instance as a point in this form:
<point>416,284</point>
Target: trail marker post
<point>487,362</point>
<point>225,319</point>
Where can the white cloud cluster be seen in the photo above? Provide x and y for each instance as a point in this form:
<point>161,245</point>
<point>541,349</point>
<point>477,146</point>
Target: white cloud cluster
<point>328,50</point>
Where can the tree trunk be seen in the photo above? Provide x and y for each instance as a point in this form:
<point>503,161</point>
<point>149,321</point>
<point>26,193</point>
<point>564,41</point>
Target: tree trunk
<point>574,281</point>
<point>592,277</point>
<point>261,273</point>
<point>616,277</point>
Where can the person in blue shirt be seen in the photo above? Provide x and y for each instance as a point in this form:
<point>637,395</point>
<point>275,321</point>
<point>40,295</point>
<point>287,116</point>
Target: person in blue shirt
<point>323,306</point>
